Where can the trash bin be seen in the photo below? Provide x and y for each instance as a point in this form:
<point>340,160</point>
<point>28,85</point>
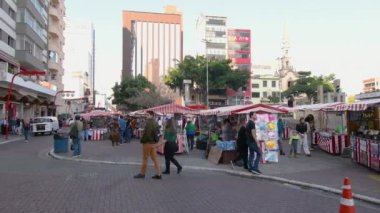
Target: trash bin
<point>61,142</point>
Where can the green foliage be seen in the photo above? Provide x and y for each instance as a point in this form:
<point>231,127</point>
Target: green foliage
<point>221,74</point>
<point>136,93</point>
<point>309,85</point>
<point>274,99</point>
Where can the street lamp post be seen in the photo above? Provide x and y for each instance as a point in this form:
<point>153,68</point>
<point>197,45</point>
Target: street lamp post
<point>206,42</point>
<point>24,72</point>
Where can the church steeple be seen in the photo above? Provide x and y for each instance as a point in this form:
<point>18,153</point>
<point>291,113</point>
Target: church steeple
<point>285,59</point>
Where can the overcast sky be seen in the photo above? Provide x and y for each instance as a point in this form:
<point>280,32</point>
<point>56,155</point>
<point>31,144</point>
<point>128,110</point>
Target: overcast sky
<point>339,36</point>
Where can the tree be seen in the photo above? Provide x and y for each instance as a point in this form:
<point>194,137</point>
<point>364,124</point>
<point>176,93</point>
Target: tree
<point>221,75</point>
<point>135,93</point>
<point>351,99</point>
<point>308,85</point>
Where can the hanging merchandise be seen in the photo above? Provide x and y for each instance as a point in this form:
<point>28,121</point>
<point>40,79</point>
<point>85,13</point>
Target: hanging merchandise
<point>267,134</point>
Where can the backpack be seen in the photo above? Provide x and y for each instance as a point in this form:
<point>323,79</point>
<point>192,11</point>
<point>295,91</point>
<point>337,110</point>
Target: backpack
<point>156,134</point>
<point>74,132</point>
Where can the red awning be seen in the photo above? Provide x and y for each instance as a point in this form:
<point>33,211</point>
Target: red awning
<point>171,109</point>
<point>358,106</point>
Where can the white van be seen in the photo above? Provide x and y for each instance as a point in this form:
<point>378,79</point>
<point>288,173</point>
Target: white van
<point>46,124</point>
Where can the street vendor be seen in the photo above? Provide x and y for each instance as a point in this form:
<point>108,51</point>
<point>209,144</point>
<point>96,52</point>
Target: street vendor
<point>227,131</point>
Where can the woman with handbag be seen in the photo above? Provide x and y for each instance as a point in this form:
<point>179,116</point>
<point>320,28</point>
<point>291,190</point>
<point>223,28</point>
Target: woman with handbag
<point>171,146</point>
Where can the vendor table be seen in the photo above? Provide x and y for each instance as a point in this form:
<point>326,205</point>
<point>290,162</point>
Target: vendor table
<point>181,145</point>
<point>366,152</point>
<point>97,134</point>
<point>332,143</point>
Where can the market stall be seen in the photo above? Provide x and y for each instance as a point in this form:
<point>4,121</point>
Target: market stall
<point>327,125</point>
<point>363,123</point>
<point>98,121</point>
<point>176,112</point>
<point>266,125</point>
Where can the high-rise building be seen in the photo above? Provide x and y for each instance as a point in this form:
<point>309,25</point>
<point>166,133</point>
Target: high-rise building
<point>32,36</point>
<point>239,51</point>
<point>212,31</point>
<point>79,62</point>
<point>152,43</point>
<point>371,85</point>
<point>23,47</point>
<point>55,48</point>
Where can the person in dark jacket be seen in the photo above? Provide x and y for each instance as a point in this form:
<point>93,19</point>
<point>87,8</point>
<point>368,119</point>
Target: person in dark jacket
<point>26,128</point>
<point>281,129</point>
<point>170,136</point>
<point>149,147</point>
<point>302,130</point>
<point>242,146</point>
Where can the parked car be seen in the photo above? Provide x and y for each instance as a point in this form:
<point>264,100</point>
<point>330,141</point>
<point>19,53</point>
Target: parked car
<point>47,124</point>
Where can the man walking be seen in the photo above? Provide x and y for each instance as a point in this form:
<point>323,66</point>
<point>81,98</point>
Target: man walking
<point>149,147</point>
<point>253,162</point>
<point>123,127</point>
<point>75,129</point>
<point>280,128</point>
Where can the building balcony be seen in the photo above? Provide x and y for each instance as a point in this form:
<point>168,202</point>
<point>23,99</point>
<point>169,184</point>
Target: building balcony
<point>55,31</point>
<point>28,61</point>
<point>54,66</point>
<point>54,12</point>
<point>54,47</point>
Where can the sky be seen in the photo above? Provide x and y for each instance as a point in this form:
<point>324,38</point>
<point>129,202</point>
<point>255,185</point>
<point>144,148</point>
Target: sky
<point>339,36</point>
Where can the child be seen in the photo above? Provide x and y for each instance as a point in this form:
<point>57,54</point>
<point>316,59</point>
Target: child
<point>293,141</point>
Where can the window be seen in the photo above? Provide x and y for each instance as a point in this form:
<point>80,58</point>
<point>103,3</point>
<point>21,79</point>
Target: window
<point>255,95</point>
<point>12,13</point>
<point>53,76</point>
<point>11,42</point>
<point>255,85</point>
<point>265,94</point>
<point>265,83</point>
<point>273,83</point>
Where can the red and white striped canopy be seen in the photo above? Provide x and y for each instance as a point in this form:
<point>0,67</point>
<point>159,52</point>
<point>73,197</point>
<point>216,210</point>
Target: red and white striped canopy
<point>171,109</point>
<point>96,113</point>
<point>358,106</point>
<point>260,109</point>
<point>243,109</point>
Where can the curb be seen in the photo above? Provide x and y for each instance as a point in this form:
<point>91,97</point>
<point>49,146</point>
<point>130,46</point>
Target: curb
<point>235,173</point>
<point>12,140</point>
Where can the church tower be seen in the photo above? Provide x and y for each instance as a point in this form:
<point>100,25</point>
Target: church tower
<point>286,71</point>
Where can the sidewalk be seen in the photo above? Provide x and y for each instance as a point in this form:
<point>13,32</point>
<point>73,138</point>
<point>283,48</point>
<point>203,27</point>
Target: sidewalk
<point>322,168</point>
<point>11,138</point>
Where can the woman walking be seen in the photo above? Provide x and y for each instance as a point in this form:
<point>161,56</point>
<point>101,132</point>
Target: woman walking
<point>170,136</point>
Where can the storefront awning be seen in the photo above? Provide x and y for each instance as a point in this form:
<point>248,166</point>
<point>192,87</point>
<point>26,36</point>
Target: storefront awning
<point>171,109</point>
<point>358,106</point>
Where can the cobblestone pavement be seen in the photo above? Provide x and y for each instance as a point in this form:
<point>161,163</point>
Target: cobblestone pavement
<point>30,181</point>
<point>322,168</point>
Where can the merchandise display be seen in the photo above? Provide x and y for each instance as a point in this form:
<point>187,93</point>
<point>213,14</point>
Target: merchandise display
<point>267,134</point>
